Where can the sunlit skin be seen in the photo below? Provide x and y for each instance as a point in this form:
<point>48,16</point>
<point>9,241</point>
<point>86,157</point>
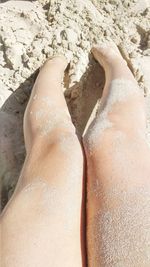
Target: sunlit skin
<point>43,224</point>
<point>118,170</point>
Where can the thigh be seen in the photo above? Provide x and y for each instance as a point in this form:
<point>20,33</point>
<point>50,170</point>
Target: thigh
<point>38,222</point>
<point>44,214</point>
<point>118,208</point>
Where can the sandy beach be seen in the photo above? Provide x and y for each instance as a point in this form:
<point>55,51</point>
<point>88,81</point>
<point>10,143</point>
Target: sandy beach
<point>32,31</point>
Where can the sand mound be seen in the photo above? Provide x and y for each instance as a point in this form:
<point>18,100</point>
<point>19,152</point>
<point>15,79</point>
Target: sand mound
<point>30,32</point>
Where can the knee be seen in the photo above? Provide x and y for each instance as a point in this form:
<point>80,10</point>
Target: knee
<point>97,142</point>
<point>67,142</point>
<point>62,143</point>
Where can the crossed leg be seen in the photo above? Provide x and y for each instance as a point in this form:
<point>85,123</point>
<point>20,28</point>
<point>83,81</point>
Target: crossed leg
<point>41,225</point>
<point>118,166</point>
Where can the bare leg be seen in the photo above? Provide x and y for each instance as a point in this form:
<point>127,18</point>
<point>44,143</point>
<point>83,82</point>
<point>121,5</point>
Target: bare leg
<point>41,225</point>
<point>118,163</point>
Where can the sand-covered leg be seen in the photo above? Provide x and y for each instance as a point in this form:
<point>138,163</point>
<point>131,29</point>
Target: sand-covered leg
<point>41,225</point>
<point>47,106</point>
<point>118,170</point>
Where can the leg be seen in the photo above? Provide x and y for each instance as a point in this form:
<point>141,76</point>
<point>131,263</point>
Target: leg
<point>41,224</point>
<point>118,163</point>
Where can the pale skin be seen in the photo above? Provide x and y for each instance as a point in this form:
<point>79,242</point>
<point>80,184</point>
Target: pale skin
<point>42,225</point>
<point>118,172</point>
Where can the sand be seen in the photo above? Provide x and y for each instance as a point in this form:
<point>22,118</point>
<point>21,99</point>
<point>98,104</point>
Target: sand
<point>31,31</point>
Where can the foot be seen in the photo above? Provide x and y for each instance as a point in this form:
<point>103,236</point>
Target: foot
<point>106,53</point>
<point>59,61</point>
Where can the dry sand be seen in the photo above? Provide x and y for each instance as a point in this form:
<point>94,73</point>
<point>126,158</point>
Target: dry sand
<point>31,31</point>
